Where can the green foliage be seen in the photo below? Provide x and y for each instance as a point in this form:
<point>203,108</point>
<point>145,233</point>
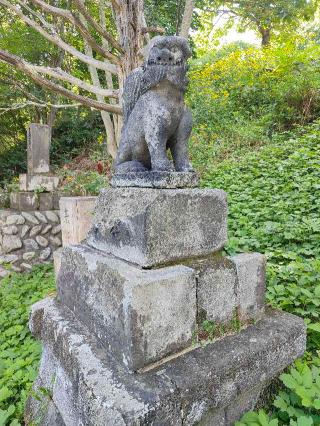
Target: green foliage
<point>74,132</point>
<point>268,14</point>
<point>274,204</point>
<point>297,405</point>
<point>83,183</point>
<point>256,419</point>
<point>241,97</point>
<point>19,352</point>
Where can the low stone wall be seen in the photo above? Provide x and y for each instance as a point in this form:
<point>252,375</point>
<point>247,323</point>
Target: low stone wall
<point>27,238</point>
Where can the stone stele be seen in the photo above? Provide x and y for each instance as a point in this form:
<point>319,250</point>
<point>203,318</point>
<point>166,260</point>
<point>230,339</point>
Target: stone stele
<point>39,140</point>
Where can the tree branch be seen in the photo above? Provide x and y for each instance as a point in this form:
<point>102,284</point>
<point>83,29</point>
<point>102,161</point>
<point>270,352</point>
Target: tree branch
<point>28,69</point>
<point>14,107</point>
<point>62,75</point>
<point>113,42</point>
<point>153,30</point>
<point>66,14</point>
<point>55,39</point>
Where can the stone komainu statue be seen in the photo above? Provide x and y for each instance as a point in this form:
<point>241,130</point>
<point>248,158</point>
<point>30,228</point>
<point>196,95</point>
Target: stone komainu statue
<point>155,115</point>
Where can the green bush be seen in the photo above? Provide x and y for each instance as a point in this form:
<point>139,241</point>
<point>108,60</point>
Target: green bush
<point>19,352</point>
<point>297,405</point>
<point>242,96</point>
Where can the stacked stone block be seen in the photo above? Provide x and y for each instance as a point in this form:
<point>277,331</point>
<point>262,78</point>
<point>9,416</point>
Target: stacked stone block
<point>121,340</point>
<point>27,238</point>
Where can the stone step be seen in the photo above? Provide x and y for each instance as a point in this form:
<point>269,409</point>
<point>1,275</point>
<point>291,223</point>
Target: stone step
<point>213,385</point>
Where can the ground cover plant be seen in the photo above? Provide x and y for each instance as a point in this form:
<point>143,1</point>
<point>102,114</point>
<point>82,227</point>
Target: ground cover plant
<point>274,206</point>
<point>19,352</point>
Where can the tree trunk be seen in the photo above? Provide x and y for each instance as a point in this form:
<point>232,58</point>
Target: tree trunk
<point>265,36</point>
<point>187,18</point>
<point>129,20</point>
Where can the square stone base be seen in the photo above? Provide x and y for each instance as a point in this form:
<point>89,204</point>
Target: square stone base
<point>35,182</point>
<point>30,201</point>
<point>210,385</point>
<point>152,227</point>
<point>160,180</point>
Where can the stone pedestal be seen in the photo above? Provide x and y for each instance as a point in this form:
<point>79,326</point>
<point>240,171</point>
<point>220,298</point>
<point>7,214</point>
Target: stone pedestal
<point>124,342</point>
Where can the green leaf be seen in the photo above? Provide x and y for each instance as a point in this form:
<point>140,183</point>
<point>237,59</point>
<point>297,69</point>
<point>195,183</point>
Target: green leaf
<point>289,381</point>
<point>5,393</point>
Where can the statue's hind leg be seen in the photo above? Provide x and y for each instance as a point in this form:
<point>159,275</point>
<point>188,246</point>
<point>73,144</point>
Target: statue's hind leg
<point>179,144</point>
<point>125,161</point>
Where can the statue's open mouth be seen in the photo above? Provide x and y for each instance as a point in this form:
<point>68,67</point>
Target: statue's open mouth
<point>178,63</point>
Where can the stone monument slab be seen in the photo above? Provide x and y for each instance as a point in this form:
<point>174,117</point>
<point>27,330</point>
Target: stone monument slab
<point>39,140</point>
<point>151,226</point>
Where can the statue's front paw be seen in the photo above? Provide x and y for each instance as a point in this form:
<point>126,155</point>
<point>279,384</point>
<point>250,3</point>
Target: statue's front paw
<point>186,167</point>
<point>163,166</point>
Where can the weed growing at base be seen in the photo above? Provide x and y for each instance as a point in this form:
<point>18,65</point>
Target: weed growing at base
<point>19,352</point>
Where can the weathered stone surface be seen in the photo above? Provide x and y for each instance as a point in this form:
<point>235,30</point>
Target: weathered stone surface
<point>55,241</point>
<point>15,219</point>
<point>30,245</point>
<point>251,286</point>
<point>56,229</point>
<point>140,315</point>
<point>76,218</point>
<point>46,201</point>
<point>28,255</point>
<point>45,254</point>
<point>3,272</point>
<point>10,230</point>
<point>24,230</point>
<point>90,387</point>
<point>42,241</point>
<point>24,201</point>
<point>39,140</point>
<point>33,182</point>
<point>46,229</point>
<point>216,289</point>
<point>56,200</point>
<point>40,216</point>
<point>57,261</point>
<point>26,266</point>
<point>30,218</point>
<point>154,179</point>
<point>35,230</point>
<point>151,227</point>
<point>154,112</point>
<point>11,243</point>
<point>8,258</point>
<point>52,216</point>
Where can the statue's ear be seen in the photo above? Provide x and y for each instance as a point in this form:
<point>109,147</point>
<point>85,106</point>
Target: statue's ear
<point>149,46</point>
